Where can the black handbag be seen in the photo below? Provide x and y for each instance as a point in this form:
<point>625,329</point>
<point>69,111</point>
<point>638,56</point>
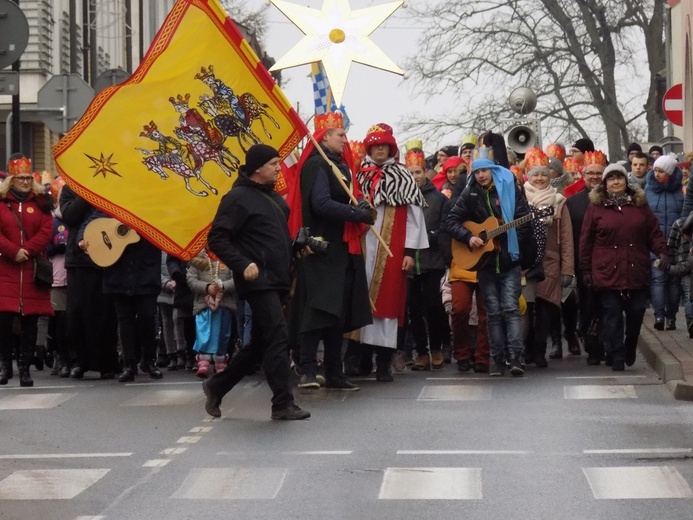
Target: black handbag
<point>43,268</point>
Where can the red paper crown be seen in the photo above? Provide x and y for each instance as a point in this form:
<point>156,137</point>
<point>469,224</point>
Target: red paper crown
<point>358,151</point>
<point>328,120</point>
<point>17,166</point>
<point>534,158</point>
<point>556,151</point>
<point>415,158</point>
<point>596,157</point>
<point>571,164</point>
<point>517,172</point>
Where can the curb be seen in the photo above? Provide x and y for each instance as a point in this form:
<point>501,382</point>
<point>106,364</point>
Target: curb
<point>665,364</point>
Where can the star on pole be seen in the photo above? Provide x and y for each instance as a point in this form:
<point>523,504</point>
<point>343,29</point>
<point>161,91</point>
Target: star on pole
<point>103,165</point>
<point>337,36</point>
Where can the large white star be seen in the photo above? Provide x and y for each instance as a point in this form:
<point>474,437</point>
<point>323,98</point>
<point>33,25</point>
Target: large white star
<point>337,36</point>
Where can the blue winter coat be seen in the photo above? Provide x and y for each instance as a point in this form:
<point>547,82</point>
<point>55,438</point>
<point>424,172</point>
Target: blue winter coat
<point>665,199</point>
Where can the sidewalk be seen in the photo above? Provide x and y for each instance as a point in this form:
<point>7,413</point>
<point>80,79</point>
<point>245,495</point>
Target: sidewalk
<point>670,353</point>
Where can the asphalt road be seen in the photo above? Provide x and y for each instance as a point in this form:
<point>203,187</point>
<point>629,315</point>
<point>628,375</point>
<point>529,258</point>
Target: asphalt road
<point>568,442</point>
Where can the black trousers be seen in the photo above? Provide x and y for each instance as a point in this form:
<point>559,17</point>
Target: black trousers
<point>92,328</point>
<point>137,326</point>
<point>546,316</point>
<point>268,344</point>
<point>332,343</point>
<point>28,340</point>
<point>427,319</point>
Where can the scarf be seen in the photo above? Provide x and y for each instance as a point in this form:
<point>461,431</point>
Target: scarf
<point>21,196</point>
<point>623,199</point>
<point>543,198</point>
<point>389,183</point>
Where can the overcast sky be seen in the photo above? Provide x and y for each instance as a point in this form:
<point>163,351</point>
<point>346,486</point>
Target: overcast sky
<point>371,95</point>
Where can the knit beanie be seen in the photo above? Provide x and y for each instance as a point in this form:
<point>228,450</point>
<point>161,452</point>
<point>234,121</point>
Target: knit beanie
<point>633,147</point>
<point>666,163</point>
<point>614,170</point>
<point>656,148</point>
<point>257,156</point>
<point>450,151</point>
<point>584,145</point>
<point>556,166</point>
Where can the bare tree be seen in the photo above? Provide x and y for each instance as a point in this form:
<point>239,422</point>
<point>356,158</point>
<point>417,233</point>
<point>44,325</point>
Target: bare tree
<point>572,53</point>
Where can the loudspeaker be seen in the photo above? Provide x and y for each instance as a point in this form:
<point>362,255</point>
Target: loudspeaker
<point>521,138</point>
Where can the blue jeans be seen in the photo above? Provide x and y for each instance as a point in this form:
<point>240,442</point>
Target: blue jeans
<point>665,293</point>
<point>614,305</point>
<point>501,293</point>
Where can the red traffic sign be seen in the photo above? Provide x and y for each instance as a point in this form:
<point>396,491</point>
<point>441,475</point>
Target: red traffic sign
<point>672,104</point>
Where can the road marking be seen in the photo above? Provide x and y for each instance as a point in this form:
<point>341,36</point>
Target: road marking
<point>165,398</point>
<point>431,484</point>
<point>637,483</point>
<point>232,484</point>
<point>34,388</point>
<point>156,463</point>
<point>636,451</point>
<point>599,377</point>
<point>173,451</point>
<point>48,484</point>
<point>463,452</point>
<point>599,392</point>
<point>189,440</point>
<point>33,401</point>
<point>462,379</point>
<point>455,393</point>
<point>336,452</point>
<point>201,429</point>
<point>161,383</point>
<point>63,456</point>
<point>99,517</point>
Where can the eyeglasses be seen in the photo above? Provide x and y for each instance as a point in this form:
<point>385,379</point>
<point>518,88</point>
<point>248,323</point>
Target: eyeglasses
<point>592,174</point>
<point>23,178</point>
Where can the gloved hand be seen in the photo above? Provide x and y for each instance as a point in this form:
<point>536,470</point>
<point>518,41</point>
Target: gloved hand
<point>587,279</point>
<point>663,262</point>
<point>566,280</point>
<point>364,204</point>
<point>364,212</point>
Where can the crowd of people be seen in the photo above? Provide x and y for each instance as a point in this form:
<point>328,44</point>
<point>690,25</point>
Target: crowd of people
<point>389,259</point>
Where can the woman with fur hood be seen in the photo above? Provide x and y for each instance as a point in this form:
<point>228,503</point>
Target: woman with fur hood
<point>26,228</point>
<point>618,234</point>
<point>215,301</point>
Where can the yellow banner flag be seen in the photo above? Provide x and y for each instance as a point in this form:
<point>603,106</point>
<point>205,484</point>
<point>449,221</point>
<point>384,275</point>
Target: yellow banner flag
<point>160,150</point>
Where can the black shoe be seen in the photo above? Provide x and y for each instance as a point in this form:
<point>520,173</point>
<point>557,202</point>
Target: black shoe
<point>618,366</point>
<point>556,352</point>
<point>516,367</point>
<point>480,368</point>
<point>161,360</point>
<point>659,324</point>
<point>630,358</point>
<point>593,361</point>
<point>689,326</point>
<point>309,382</point>
<point>6,373</point>
<point>540,362</point>
<point>39,355</point>
<point>383,375</point>
<point>290,413</point>
<point>213,400</point>
<point>573,345</point>
<point>49,359</point>
<point>25,378</point>
<point>127,375</point>
<point>172,363</point>
<point>77,373</point>
<point>671,325</point>
<point>341,384</point>
<point>464,365</point>
<point>64,371</point>
<point>497,369</point>
<point>608,360</point>
<point>151,369</point>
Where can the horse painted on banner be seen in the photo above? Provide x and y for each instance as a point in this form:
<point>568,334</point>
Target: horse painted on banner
<point>229,125</point>
<point>171,155</point>
<point>204,142</point>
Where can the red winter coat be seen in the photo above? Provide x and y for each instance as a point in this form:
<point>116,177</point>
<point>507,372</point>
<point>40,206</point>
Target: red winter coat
<point>18,293</point>
<point>615,243</point>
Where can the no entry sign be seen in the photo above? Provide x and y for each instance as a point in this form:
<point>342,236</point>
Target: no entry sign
<point>672,104</point>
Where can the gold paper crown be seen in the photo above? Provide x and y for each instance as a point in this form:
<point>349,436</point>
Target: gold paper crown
<point>415,158</point>
<point>180,100</point>
<point>483,152</point>
<point>17,166</point>
<point>571,164</point>
<point>205,72</point>
<point>596,157</point>
<point>471,139</point>
<point>328,120</point>
<point>413,144</point>
<point>376,128</point>
<point>358,151</point>
<point>556,151</point>
<point>535,157</point>
<point>149,129</point>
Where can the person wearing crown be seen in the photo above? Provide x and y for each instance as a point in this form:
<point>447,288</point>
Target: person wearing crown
<point>558,262</point>
<point>331,291</point>
<point>398,203</point>
<point>26,229</point>
<point>582,316</point>
<point>428,322</point>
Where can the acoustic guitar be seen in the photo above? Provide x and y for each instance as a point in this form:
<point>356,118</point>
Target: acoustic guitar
<point>107,238</point>
<point>489,230</point>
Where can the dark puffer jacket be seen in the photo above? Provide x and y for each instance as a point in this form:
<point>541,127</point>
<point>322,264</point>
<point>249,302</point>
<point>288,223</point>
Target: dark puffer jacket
<point>616,241</point>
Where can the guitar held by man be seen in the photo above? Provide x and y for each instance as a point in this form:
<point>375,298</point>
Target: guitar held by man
<point>485,240</point>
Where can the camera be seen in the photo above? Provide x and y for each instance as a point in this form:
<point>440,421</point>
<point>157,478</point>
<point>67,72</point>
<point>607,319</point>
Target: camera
<point>303,240</point>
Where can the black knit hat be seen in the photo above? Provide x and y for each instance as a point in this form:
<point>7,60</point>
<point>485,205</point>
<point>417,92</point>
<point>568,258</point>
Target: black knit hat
<point>257,156</point>
<point>450,151</point>
<point>584,145</point>
<point>656,148</point>
<point>634,147</point>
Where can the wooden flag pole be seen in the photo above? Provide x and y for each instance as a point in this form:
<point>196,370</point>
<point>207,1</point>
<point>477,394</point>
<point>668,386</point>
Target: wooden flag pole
<point>355,202</point>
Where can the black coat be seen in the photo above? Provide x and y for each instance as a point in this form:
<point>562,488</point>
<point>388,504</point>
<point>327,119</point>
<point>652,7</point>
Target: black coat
<point>251,227</point>
<point>75,210</point>
<point>577,207</point>
<point>431,258</point>
<point>331,289</point>
<point>182,296</point>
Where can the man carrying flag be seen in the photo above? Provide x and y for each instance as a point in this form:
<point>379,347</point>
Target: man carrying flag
<point>331,291</point>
